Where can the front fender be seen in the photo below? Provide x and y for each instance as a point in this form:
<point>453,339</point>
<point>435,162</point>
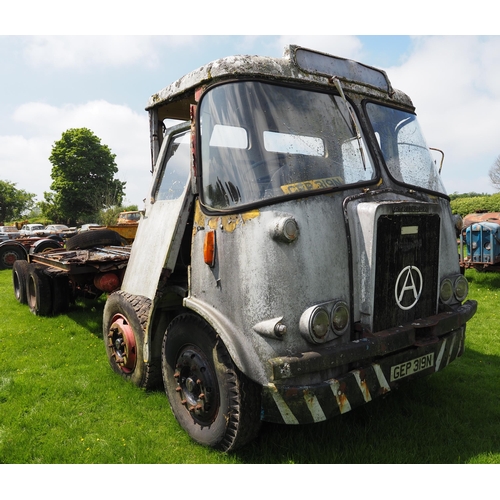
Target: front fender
<point>240,348</point>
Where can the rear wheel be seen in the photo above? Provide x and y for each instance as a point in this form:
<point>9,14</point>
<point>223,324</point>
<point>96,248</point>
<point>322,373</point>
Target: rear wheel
<point>19,278</point>
<point>124,324</point>
<point>212,400</point>
<point>38,291</point>
<point>10,253</point>
<point>43,245</point>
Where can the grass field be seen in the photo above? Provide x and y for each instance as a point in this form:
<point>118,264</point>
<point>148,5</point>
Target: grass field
<point>60,403</point>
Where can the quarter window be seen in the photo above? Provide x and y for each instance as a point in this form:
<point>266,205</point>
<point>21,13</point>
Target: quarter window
<point>175,173</point>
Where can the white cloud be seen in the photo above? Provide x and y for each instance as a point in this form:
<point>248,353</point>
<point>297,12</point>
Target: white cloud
<point>24,159</point>
<point>83,51</point>
<point>22,162</point>
<point>453,82</point>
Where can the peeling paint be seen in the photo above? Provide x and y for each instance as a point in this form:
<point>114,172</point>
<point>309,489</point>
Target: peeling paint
<point>227,223</point>
<point>361,380</point>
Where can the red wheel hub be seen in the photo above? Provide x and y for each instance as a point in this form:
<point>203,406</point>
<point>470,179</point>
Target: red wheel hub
<point>121,342</point>
<point>10,258</point>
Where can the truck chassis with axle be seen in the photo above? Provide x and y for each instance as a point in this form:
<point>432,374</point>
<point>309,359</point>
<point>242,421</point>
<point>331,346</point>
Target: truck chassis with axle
<point>49,281</point>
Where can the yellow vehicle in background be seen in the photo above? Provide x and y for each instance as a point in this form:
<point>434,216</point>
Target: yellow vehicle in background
<point>129,218</point>
<point>126,225</point>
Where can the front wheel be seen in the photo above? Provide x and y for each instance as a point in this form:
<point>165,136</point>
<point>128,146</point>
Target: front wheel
<point>212,400</point>
<point>124,324</point>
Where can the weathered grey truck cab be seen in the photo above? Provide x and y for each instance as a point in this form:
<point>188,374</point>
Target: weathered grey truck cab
<point>297,256</point>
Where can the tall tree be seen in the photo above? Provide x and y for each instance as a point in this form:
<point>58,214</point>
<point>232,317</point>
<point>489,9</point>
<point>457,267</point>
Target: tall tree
<point>83,177</point>
<point>495,173</point>
<point>13,201</point>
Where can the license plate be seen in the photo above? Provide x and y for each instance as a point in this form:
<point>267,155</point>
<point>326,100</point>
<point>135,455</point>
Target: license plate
<point>413,366</point>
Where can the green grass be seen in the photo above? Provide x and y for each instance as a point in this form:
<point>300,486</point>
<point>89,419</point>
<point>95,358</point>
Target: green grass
<point>61,403</point>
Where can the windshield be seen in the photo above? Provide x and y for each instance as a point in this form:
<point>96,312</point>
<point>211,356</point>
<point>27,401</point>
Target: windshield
<point>403,146</point>
<point>262,141</point>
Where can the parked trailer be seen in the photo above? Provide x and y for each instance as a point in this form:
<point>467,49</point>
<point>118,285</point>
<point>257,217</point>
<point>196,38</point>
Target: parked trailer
<point>480,242</point>
<point>48,282</point>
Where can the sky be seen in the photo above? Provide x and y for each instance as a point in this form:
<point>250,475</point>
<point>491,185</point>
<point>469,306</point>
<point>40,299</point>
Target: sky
<point>50,83</point>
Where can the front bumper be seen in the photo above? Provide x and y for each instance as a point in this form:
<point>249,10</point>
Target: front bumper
<point>402,353</point>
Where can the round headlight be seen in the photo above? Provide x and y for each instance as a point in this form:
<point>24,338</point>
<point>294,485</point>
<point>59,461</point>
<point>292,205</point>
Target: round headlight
<point>446,291</point>
<point>461,287</point>
<point>320,322</point>
<point>340,318</point>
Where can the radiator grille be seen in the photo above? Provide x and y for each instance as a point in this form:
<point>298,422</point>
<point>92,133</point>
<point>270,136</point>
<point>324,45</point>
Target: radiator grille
<point>406,264</point>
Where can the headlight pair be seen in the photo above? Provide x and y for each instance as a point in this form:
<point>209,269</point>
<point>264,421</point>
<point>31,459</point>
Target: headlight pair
<point>324,322</point>
<point>453,287</point>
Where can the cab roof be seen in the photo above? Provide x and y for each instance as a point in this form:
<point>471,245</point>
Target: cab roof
<point>298,64</point>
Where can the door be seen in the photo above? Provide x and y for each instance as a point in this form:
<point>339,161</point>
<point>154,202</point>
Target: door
<point>160,231</point>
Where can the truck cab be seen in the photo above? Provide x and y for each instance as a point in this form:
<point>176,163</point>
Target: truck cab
<point>297,256</point>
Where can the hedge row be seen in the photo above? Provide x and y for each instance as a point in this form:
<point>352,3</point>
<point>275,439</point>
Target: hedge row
<point>475,204</point>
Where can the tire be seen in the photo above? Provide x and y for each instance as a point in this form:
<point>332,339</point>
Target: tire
<point>96,238</point>
<point>38,291</point>
<point>19,278</point>
<point>216,404</point>
<point>43,245</point>
<point>10,253</point>
<point>124,324</point>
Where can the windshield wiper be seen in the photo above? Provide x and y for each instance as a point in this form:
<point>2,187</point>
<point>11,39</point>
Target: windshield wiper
<point>353,125</point>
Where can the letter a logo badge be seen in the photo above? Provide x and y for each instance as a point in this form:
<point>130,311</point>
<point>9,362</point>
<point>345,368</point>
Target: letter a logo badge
<point>408,287</point>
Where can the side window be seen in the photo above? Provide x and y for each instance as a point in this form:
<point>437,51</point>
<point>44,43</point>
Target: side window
<point>175,170</point>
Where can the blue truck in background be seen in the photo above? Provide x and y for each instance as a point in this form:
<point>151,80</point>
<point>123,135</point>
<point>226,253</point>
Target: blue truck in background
<point>480,242</point>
